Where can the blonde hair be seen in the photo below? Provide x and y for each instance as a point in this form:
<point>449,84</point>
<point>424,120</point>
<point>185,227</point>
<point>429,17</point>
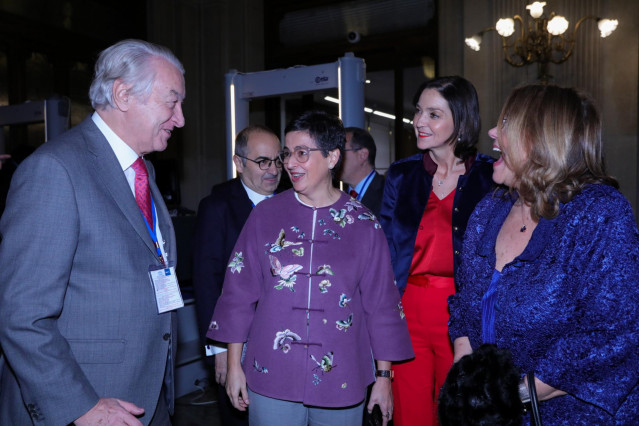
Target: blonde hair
<point>554,145</point>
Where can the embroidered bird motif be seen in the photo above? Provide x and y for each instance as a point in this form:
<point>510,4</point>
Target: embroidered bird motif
<point>326,363</point>
<point>281,243</point>
<point>343,300</point>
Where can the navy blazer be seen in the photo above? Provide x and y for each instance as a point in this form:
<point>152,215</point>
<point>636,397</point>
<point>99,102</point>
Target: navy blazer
<point>408,186</point>
<point>220,219</point>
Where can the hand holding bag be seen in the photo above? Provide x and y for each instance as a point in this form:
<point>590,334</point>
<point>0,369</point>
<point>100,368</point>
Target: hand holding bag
<point>535,416</point>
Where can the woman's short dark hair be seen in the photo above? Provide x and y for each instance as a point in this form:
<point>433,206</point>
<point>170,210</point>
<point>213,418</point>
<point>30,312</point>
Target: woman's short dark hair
<point>464,105</point>
<point>325,129</point>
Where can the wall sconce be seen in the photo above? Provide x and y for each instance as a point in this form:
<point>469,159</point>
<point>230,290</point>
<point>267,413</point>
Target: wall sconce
<point>542,39</point>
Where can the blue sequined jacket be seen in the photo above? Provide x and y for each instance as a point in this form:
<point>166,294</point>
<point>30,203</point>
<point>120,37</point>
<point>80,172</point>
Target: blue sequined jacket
<point>408,186</point>
<point>567,307</point>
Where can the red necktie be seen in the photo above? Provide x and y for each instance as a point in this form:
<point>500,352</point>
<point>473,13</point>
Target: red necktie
<point>353,194</point>
<point>142,192</point>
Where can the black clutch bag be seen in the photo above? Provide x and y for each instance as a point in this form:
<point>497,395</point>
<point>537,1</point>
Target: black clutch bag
<point>375,418</point>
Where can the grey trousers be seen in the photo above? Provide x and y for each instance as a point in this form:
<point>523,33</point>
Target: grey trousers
<point>265,411</point>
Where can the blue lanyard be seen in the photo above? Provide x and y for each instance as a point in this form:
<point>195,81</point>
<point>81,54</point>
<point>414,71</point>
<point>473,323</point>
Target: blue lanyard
<point>152,233</point>
<point>361,192</point>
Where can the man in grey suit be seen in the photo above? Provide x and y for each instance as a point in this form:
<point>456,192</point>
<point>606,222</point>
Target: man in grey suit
<point>87,336</point>
<point>358,169</point>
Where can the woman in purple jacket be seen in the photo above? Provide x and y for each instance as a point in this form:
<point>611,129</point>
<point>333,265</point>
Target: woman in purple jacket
<point>310,291</point>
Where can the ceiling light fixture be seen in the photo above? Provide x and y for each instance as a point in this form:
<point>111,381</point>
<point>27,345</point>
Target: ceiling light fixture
<point>541,40</point>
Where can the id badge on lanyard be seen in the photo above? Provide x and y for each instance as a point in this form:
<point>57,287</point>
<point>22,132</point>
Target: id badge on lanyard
<point>167,290</point>
<point>165,284</point>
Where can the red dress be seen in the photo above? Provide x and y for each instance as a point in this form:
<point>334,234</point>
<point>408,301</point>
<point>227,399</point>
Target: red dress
<point>416,384</point>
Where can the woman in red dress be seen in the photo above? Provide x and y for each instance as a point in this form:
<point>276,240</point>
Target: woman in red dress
<point>428,199</point>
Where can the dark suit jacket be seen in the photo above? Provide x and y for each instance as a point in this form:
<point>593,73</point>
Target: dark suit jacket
<point>406,193</point>
<point>373,196</point>
<point>220,219</point>
<point>79,315</point>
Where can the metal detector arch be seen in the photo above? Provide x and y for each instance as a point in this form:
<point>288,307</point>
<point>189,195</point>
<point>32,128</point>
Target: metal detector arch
<point>347,74</point>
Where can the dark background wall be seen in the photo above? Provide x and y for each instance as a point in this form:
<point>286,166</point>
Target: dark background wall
<point>48,47</point>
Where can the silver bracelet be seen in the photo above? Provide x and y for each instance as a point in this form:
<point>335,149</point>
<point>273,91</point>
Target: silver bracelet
<point>524,393</point>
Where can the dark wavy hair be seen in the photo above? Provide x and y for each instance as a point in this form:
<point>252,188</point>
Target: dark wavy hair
<point>481,389</point>
<point>325,129</point>
<point>464,105</point>
<point>553,145</point>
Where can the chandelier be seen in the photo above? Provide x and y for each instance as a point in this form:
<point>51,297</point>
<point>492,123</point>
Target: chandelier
<point>542,39</point>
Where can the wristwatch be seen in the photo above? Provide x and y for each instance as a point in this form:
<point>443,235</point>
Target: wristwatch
<point>384,373</point>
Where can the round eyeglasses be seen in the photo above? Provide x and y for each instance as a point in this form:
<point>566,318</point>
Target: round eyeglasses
<point>265,163</point>
<point>299,153</point>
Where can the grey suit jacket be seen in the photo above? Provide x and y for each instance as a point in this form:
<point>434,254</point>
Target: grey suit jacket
<point>78,314</point>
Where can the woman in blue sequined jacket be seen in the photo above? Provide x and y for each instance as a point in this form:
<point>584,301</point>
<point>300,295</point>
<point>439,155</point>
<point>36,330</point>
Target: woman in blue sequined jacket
<point>550,263</point>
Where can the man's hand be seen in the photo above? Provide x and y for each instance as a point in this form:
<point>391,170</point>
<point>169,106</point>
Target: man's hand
<point>111,411</point>
<point>220,367</point>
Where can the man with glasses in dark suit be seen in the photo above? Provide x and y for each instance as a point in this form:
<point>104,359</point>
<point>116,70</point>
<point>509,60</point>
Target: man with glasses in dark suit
<point>358,169</point>
<point>220,218</point>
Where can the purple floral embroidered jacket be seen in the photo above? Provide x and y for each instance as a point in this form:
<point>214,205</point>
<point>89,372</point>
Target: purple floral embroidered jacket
<point>311,291</point>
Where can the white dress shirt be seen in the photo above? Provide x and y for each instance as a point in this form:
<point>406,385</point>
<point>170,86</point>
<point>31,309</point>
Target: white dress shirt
<point>126,157</point>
